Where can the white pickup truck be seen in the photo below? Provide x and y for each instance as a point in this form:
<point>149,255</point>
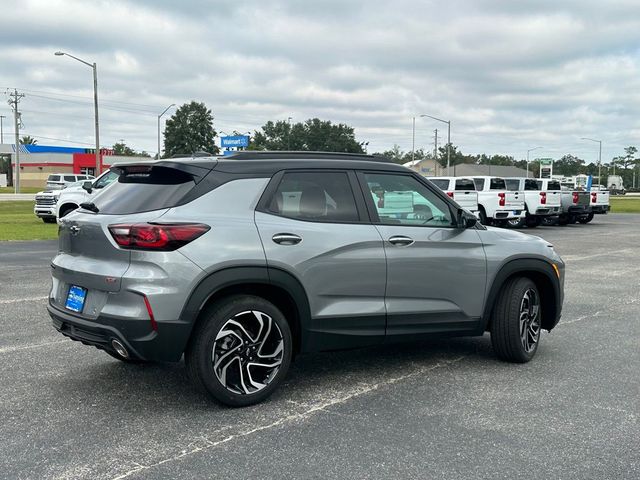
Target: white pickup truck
<point>462,190</point>
<point>45,206</point>
<point>70,198</point>
<point>496,203</point>
<point>599,203</point>
<point>538,203</point>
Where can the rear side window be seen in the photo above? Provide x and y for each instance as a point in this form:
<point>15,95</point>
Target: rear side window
<point>465,184</point>
<point>479,182</point>
<point>441,183</point>
<point>53,178</point>
<point>315,196</point>
<point>513,185</point>
<point>69,178</point>
<point>497,184</point>
<point>531,185</point>
<point>144,189</point>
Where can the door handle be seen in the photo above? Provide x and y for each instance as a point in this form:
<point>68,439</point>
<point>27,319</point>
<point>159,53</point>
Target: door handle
<point>401,241</point>
<point>286,239</point>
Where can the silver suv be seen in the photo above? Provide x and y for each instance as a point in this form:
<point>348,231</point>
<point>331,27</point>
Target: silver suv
<point>242,262</point>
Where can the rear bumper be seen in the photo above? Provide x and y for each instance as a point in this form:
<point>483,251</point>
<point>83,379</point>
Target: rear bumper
<point>164,345</point>
<point>600,209</point>
<point>578,209</point>
<point>507,214</point>
<point>546,211</point>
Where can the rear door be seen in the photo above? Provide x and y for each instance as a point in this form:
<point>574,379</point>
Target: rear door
<point>313,225</point>
<point>436,272</point>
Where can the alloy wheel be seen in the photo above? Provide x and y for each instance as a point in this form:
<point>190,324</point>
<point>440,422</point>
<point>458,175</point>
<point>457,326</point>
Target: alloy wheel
<point>247,352</point>
<point>529,320</point>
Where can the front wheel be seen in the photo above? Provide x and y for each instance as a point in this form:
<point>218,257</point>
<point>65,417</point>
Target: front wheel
<point>516,321</point>
<point>49,219</point>
<point>241,350</point>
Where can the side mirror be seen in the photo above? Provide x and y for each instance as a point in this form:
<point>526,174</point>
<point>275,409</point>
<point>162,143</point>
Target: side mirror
<point>87,185</point>
<point>466,219</point>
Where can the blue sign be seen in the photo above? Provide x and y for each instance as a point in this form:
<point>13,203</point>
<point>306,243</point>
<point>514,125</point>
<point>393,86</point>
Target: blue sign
<point>234,141</point>
<point>589,183</point>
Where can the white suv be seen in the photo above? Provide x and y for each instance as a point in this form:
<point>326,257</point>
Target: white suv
<point>495,202</point>
<point>462,190</point>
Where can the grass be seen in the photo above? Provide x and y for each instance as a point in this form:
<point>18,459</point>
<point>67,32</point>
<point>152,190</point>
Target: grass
<point>18,222</point>
<point>22,189</point>
<point>625,204</point>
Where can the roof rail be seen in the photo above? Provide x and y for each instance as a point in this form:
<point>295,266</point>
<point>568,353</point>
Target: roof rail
<point>197,154</point>
<point>303,155</point>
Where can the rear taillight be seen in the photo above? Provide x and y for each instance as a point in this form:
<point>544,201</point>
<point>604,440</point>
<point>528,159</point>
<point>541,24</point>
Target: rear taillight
<point>575,197</point>
<point>450,194</point>
<point>543,198</point>
<point>502,200</point>
<point>149,236</point>
<point>594,197</point>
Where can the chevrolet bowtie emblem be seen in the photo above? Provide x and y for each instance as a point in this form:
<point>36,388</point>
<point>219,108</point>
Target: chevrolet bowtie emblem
<point>74,229</point>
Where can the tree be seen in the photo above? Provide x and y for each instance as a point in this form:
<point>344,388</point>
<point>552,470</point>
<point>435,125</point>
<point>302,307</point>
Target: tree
<point>189,130</point>
<point>122,149</point>
<point>456,157</point>
<point>568,165</point>
<point>27,140</point>
<point>312,135</point>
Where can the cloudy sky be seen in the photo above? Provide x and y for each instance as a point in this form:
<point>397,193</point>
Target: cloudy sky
<point>510,75</point>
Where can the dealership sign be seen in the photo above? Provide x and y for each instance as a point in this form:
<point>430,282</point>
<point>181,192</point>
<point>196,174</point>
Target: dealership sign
<point>234,141</point>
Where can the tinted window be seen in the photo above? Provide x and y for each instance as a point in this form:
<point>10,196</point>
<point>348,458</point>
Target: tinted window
<point>497,184</point>
<point>69,178</point>
<point>531,185</point>
<point>512,184</point>
<point>316,196</point>
<point>479,182</point>
<point>53,178</point>
<point>143,190</point>
<point>402,199</point>
<point>553,185</point>
<point>465,184</point>
<point>441,183</point>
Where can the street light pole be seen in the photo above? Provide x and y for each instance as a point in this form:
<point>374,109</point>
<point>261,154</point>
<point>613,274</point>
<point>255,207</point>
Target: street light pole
<point>599,158</point>
<point>530,150</point>
<point>448,122</point>
<point>413,140</point>
<point>95,104</point>
<point>159,117</point>
<point>289,134</point>
<point>2,117</point>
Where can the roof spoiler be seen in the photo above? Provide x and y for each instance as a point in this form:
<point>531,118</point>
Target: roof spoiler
<point>197,171</point>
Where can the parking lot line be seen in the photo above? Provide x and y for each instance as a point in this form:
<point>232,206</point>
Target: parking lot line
<point>25,299</point>
<point>27,347</point>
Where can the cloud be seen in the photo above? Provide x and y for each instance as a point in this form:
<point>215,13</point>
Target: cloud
<point>507,74</point>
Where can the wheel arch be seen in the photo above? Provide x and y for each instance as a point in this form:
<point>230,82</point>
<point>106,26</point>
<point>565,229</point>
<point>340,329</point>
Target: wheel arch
<point>274,285</point>
<point>65,206</point>
<point>543,275</point>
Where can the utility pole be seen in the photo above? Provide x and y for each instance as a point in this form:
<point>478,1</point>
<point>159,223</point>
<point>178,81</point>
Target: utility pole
<point>435,145</point>
<point>14,99</point>
<point>2,117</point>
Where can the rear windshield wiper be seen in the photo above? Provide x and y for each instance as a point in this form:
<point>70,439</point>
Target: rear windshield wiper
<point>90,206</point>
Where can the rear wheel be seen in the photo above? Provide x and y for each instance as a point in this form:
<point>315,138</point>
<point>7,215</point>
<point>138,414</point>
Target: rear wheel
<point>240,351</point>
<point>572,219</point>
<point>516,321</point>
<point>586,218</point>
<point>515,222</point>
<point>483,217</point>
<point>532,221</point>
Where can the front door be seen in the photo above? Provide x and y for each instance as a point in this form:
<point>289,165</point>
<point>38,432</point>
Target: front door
<point>436,272</point>
<point>312,227</point>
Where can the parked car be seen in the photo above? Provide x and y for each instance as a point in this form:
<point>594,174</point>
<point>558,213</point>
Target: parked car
<point>72,197</point>
<point>538,203</point>
<point>242,262</point>
<point>599,203</point>
<point>462,190</point>
<point>615,185</point>
<point>496,203</point>
<point>575,204</point>
<point>46,200</point>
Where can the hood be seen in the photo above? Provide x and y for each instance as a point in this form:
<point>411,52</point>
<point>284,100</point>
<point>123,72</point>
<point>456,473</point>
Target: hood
<point>515,236</point>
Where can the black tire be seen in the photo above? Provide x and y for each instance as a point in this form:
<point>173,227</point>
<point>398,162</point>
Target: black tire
<point>483,217</point>
<point>550,221</point>
<point>225,382</point>
<point>515,222</point>
<point>131,361</point>
<point>532,221</point>
<point>563,219</point>
<point>66,210</point>
<point>514,340</point>
<point>586,218</point>
<point>49,219</point>
<point>572,219</point>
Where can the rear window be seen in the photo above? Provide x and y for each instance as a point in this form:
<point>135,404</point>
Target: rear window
<point>513,185</point>
<point>497,184</point>
<point>144,189</point>
<point>554,185</point>
<point>465,184</point>
<point>531,185</point>
<point>53,178</point>
<point>479,182</point>
<point>441,183</point>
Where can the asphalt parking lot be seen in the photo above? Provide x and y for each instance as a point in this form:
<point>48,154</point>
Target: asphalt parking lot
<point>440,409</point>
